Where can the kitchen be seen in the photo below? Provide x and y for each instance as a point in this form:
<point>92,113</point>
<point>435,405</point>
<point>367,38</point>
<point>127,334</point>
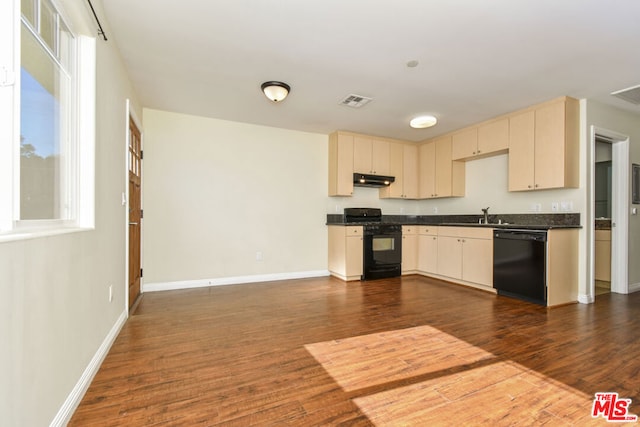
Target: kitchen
<point>542,144</point>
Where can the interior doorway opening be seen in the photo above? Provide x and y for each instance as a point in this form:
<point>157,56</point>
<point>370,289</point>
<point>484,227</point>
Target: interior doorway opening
<point>608,218</point>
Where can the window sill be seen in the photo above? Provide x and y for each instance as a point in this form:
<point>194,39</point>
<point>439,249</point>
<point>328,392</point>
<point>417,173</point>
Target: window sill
<point>18,235</point>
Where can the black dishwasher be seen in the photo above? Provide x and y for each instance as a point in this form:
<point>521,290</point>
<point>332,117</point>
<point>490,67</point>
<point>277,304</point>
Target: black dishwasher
<point>519,264</point>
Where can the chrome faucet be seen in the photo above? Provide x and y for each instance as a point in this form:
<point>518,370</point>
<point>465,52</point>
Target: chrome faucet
<point>486,215</point>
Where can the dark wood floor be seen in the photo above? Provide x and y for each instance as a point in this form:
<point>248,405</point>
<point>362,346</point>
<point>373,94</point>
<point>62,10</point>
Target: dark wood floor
<point>405,351</point>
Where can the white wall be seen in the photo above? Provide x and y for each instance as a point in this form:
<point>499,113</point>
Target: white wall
<point>216,192</point>
<point>627,123</point>
<point>54,307</point>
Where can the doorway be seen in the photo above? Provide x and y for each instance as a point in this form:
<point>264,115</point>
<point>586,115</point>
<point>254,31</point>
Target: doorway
<point>603,199</point>
<point>608,212</point>
<point>134,160</point>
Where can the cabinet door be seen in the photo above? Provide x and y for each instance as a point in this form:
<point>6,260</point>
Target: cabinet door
<point>396,169</point>
<point>549,154</point>
<point>443,166</point>
<point>428,254</point>
<point>362,155</point>
<point>409,252</point>
<point>380,157</point>
<point>426,172</point>
<point>340,165</point>
<point>465,144</point>
<point>493,137</point>
<point>410,171</point>
<point>477,261</point>
<point>521,151</point>
<point>449,257</point>
<point>354,256</point>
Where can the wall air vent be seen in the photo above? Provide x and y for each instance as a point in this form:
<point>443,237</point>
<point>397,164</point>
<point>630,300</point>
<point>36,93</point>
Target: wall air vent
<point>355,101</point>
<point>631,94</point>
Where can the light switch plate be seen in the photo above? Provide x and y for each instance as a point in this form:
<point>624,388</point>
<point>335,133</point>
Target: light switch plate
<point>555,207</point>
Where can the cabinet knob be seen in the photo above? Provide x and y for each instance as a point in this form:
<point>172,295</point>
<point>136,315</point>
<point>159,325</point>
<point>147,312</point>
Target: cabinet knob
<point>528,186</point>
<point>536,185</point>
<point>479,151</point>
<point>474,152</point>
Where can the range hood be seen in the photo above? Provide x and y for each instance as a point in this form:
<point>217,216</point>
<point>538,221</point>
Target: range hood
<point>375,181</point>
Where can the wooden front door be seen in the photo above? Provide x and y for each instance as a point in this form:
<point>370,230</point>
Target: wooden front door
<point>135,211</point>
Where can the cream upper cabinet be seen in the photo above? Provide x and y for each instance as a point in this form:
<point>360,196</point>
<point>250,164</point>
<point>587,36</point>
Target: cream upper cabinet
<point>493,137</point>
<point>340,164</point>
<point>544,147</point>
<point>370,155</point>
<point>465,144</point>
<point>439,176</point>
<point>485,140</point>
<point>403,165</point>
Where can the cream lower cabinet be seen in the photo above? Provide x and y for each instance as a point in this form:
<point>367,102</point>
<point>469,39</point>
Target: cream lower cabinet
<point>466,254</point>
<point>409,249</point>
<point>345,252</point>
<point>427,249</point>
<point>562,266</point>
<point>603,255</point>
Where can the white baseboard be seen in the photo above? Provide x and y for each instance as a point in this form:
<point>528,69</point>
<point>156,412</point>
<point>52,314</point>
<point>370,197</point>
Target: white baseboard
<point>188,284</point>
<point>66,411</point>
<point>585,299</point>
<point>634,287</point>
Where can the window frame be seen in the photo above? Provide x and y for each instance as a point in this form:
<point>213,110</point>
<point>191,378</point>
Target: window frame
<point>81,182</point>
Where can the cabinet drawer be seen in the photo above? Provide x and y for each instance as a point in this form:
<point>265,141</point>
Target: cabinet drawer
<point>409,229</point>
<point>603,234</point>
<point>353,230</point>
<point>469,232</point>
<point>428,230</point>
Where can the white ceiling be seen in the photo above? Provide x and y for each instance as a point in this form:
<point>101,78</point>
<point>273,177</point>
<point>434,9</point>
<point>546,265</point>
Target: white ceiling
<point>477,59</point>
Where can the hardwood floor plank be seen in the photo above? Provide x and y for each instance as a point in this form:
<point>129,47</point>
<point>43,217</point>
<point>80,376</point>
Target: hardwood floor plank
<point>402,351</point>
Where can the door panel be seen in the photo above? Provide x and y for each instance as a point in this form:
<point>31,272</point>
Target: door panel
<point>135,211</point>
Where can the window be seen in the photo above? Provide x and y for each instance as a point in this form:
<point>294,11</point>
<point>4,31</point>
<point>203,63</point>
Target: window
<point>51,145</point>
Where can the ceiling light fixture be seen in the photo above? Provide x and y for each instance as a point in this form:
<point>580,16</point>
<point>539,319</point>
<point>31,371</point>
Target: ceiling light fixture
<point>422,122</point>
<point>275,91</point>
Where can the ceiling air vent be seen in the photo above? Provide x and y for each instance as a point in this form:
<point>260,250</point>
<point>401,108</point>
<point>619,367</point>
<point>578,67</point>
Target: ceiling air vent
<point>631,94</point>
<point>355,101</point>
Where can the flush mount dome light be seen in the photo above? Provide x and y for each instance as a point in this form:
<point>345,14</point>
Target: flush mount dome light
<point>275,91</point>
<point>422,122</point>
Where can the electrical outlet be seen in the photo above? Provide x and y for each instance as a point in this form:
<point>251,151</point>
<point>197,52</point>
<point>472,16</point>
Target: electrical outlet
<point>259,256</point>
<point>555,207</point>
<point>535,207</point>
<point>401,211</point>
<point>110,293</point>
<point>435,210</point>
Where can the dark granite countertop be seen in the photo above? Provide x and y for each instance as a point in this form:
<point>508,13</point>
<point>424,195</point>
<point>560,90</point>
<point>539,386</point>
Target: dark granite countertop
<point>509,221</point>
